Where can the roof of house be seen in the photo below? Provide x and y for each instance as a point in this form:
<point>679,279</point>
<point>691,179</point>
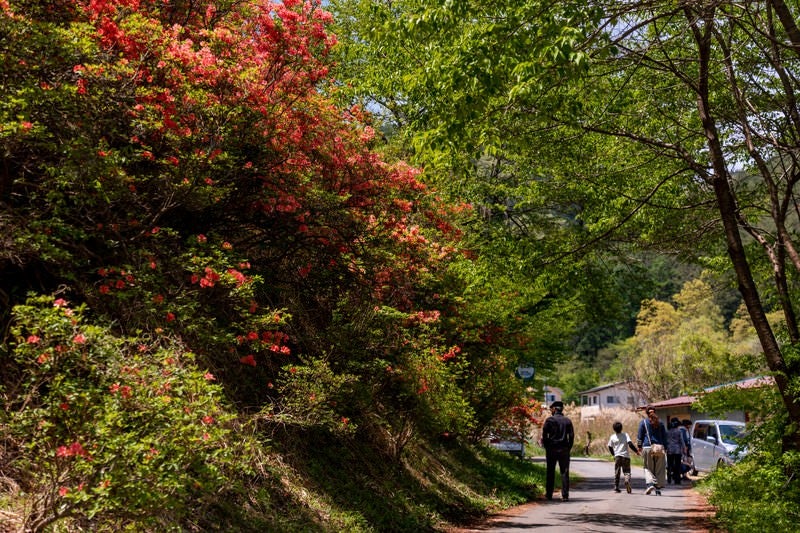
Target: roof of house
<point>748,383</point>
<point>679,401</point>
<point>687,400</point>
<point>604,387</point>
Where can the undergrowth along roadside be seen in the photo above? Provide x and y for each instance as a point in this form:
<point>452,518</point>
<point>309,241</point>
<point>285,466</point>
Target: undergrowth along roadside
<point>314,481</point>
<point>331,484</point>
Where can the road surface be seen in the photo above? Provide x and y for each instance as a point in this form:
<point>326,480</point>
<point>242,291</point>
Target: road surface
<point>594,506</point>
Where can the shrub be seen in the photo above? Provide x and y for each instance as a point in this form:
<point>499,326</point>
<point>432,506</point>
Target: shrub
<point>772,507</point>
<point>109,432</point>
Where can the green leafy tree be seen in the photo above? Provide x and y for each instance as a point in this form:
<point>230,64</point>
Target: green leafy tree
<point>574,376</point>
<point>475,113</point>
<point>671,126</point>
<point>682,348</point>
<point>475,54</point>
<point>654,350</point>
<point>688,87</point>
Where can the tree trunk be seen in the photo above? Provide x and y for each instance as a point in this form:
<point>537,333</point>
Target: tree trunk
<point>787,20</point>
<point>728,209</point>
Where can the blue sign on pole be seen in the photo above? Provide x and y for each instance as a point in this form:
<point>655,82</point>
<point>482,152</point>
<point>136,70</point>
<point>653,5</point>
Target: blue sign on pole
<point>525,371</point>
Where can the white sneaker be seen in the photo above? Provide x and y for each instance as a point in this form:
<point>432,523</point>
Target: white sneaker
<point>649,489</point>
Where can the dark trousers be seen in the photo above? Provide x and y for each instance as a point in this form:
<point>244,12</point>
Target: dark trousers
<point>674,472</point>
<point>561,457</point>
<point>621,465</point>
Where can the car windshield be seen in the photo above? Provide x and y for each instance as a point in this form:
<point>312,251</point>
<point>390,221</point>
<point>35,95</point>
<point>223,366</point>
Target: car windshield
<point>731,434</point>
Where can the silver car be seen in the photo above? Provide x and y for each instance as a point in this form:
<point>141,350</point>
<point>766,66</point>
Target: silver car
<point>507,441</point>
<point>716,442</point>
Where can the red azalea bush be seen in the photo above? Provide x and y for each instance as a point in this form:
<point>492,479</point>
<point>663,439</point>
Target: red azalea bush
<point>176,171</point>
<point>132,431</point>
<point>178,166</point>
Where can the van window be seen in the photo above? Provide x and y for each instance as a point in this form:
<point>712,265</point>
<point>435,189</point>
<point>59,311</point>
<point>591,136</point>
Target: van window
<point>731,434</point>
<point>700,431</point>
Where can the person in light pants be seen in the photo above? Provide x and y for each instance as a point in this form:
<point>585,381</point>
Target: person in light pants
<point>653,432</point>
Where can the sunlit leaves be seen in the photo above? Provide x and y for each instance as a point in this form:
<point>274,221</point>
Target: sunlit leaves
<point>124,425</point>
<point>479,58</point>
<point>683,348</point>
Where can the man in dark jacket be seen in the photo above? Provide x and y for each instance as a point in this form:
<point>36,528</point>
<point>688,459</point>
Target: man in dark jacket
<point>558,436</point>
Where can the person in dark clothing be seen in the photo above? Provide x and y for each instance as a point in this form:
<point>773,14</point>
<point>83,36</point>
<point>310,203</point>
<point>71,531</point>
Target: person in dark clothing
<point>558,435</point>
<point>676,449</point>
<point>687,462</point>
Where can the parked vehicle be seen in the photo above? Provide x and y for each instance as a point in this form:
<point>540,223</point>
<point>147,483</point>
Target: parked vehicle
<point>507,441</point>
<point>716,443</point>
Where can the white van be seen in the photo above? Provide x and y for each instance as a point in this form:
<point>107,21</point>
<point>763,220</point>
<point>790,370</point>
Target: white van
<point>715,443</point>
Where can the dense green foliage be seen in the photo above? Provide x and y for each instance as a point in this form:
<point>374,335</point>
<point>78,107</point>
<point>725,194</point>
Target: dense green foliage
<point>625,127</point>
<point>220,276</point>
<point>754,494</point>
<point>110,430</point>
<point>683,347</point>
<point>454,113</point>
<point>202,254</point>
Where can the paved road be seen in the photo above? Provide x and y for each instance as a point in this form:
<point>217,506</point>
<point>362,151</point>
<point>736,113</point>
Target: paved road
<point>594,506</point>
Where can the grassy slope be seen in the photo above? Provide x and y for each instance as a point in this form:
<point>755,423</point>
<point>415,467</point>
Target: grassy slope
<point>316,482</point>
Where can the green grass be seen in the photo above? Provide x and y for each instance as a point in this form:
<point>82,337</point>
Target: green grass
<point>316,482</point>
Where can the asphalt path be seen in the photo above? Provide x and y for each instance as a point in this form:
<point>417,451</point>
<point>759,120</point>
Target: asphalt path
<point>594,506</point>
